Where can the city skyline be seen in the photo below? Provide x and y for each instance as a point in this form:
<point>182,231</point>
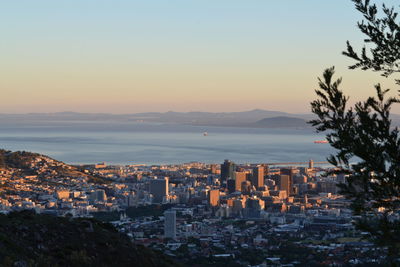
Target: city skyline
<point>131,56</point>
<point>200,133</point>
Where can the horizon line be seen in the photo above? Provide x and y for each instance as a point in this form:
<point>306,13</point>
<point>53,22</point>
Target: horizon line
<point>160,112</point>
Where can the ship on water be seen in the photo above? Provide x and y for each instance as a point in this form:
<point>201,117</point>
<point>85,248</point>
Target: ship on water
<point>321,142</point>
<point>205,134</point>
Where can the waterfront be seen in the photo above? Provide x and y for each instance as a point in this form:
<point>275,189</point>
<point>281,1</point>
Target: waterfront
<point>150,143</point>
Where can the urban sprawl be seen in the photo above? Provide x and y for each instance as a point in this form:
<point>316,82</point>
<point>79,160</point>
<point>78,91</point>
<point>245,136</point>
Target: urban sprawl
<point>233,214</point>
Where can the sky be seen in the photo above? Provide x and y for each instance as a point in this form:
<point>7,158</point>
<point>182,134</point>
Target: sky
<point>127,56</point>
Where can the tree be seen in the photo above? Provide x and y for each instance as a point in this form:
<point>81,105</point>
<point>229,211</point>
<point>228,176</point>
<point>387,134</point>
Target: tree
<point>384,33</point>
<point>364,133</point>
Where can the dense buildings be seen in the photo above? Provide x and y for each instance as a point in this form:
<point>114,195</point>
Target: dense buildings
<point>251,211</point>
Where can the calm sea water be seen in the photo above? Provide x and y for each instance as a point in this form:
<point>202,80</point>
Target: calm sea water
<point>134,143</point>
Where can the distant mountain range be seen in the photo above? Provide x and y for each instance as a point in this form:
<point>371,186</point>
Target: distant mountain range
<point>281,122</point>
<point>257,118</point>
<point>253,118</point>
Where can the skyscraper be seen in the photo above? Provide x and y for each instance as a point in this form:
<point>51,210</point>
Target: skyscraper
<point>213,197</point>
<point>240,177</point>
<point>170,224</point>
<point>258,176</point>
<point>291,172</point>
<point>227,170</point>
<point>311,164</point>
<point>159,189</point>
<point>285,184</point>
<point>231,185</point>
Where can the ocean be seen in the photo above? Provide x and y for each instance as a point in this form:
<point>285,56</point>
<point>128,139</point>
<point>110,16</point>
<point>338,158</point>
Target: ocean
<point>88,142</point>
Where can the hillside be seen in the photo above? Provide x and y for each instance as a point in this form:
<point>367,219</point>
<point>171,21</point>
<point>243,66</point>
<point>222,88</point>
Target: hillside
<point>28,239</point>
<point>28,163</point>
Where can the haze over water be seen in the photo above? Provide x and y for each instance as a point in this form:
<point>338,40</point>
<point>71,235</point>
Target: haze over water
<point>152,143</point>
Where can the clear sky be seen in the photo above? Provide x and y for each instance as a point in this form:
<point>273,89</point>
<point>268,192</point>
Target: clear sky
<point>125,56</point>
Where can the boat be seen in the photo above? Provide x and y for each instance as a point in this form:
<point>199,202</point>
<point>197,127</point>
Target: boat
<point>205,134</point>
<point>321,142</point>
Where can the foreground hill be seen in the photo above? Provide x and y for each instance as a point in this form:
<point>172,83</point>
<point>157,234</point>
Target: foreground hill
<point>28,239</point>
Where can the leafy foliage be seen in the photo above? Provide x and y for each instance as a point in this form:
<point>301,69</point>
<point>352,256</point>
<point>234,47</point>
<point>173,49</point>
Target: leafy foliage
<point>27,239</point>
<point>363,133</point>
<point>133,212</point>
<point>382,31</point>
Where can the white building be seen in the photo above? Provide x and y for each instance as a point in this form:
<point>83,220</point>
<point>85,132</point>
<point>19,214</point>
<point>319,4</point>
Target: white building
<point>170,224</point>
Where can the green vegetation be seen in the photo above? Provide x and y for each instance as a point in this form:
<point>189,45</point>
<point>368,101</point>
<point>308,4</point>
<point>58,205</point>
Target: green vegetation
<point>98,180</point>
<point>133,212</point>
<point>28,239</point>
<point>19,159</point>
<point>364,133</point>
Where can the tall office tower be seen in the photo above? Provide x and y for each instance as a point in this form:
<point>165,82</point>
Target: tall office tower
<point>159,189</point>
<point>240,177</point>
<point>285,184</point>
<point>231,185</point>
<point>170,224</point>
<point>227,170</point>
<point>258,176</point>
<point>291,172</point>
<point>213,197</point>
<point>311,164</point>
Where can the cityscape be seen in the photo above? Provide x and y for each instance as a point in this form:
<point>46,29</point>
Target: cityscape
<point>241,214</point>
<point>200,133</point>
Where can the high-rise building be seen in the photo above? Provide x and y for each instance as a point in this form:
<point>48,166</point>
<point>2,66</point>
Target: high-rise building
<point>258,176</point>
<point>240,177</point>
<point>170,224</point>
<point>235,184</point>
<point>227,170</point>
<point>291,172</point>
<point>311,164</point>
<point>159,189</point>
<point>213,197</point>
<point>231,185</point>
<point>285,184</point>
